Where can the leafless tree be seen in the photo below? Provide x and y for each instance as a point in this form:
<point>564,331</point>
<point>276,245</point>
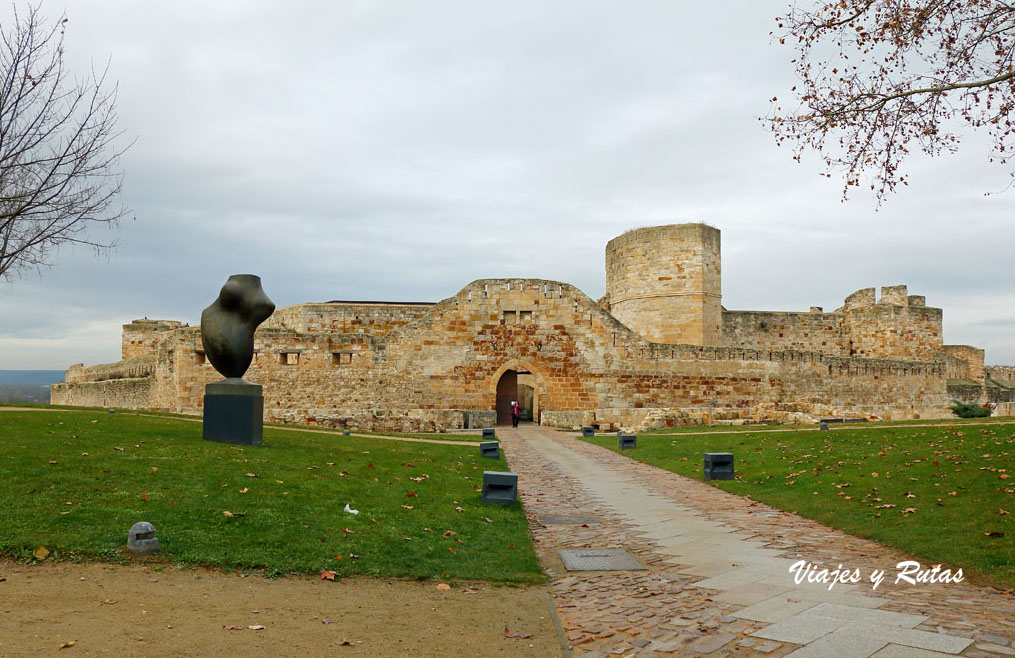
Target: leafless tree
<point>879,78</point>
<point>58,147</point>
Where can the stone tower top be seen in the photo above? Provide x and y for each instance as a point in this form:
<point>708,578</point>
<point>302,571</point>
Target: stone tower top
<point>665,283</point>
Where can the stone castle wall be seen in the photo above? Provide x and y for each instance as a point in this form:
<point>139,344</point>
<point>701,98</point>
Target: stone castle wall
<point>141,336</point>
<point>374,318</point>
<point>425,367</point>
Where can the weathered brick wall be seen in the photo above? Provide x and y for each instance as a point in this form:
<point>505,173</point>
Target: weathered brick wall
<point>374,318</point>
<point>665,283</point>
<point>141,336</point>
<point>814,331</point>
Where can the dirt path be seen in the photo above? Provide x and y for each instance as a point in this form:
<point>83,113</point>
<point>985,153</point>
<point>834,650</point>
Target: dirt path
<point>110,610</point>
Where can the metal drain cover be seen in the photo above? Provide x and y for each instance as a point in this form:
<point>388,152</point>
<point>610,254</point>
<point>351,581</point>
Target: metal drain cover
<point>598,559</point>
<point>567,519</point>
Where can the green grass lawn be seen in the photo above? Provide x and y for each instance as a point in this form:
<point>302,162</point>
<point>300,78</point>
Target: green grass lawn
<point>74,483</point>
<point>940,493</point>
<point>683,429</point>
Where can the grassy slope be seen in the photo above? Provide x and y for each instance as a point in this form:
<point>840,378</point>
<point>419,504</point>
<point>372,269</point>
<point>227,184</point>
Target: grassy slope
<point>957,480</point>
<point>291,518</point>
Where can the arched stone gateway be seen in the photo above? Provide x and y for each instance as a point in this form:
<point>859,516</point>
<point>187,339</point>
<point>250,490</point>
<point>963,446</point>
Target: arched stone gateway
<point>517,380</point>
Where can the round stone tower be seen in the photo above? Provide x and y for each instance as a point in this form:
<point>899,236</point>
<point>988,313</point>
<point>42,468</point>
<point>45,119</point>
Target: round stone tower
<point>665,283</point>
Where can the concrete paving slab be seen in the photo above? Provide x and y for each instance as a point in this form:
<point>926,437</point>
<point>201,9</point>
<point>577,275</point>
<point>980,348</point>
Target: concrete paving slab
<point>842,643</point>
<point>900,651</point>
<point>751,594</point>
<point>867,615</point>
<point>914,638</point>
<point>731,579</point>
<point>799,629</point>
<point>774,609</point>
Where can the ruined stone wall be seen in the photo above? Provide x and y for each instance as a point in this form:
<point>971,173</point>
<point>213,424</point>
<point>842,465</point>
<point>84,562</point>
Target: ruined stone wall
<point>141,336</point>
<point>437,370</point>
<point>665,283</point>
<point>133,393</point>
<point>899,326</point>
<point>374,318</point>
<point>814,331</point>
<point>972,358</point>
<point>139,366</point>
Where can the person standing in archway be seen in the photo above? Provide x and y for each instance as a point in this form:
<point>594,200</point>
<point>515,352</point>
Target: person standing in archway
<point>516,413</point>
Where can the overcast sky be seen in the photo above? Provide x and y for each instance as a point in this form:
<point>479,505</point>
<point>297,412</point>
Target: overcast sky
<point>398,150</point>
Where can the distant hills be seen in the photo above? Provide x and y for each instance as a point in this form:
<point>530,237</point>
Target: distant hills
<point>27,385</point>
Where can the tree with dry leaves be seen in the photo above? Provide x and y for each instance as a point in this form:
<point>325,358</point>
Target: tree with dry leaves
<point>58,147</point>
<point>880,78</point>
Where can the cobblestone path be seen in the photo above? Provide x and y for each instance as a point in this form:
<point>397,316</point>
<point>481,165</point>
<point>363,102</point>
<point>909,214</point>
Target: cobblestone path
<point>717,581</point>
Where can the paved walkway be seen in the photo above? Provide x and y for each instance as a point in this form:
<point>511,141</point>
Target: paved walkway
<point>718,580</point>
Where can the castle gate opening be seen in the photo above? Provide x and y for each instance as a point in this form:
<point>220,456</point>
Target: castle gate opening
<point>507,390</point>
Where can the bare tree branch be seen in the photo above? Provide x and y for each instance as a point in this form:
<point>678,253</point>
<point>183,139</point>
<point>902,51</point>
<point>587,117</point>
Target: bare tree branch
<point>58,148</point>
<point>864,68</point>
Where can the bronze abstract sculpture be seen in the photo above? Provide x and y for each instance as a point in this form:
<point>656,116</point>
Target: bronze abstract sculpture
<point>233,407</point>
<point>227,326</point>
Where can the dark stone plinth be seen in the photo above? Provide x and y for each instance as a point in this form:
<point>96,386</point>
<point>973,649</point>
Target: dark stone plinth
<point>718,465</point>
<point>588,431</point>
<point>234,412</point>
<point>489,433</point>
<point>500,488</point>
<point>490,449</point>
<point>628,441</point>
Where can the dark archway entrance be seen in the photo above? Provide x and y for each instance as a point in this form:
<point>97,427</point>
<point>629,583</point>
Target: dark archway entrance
<point>507,390</point>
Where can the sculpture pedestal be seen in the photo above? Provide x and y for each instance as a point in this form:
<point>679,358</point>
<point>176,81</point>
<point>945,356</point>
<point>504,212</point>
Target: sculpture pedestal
<point>234,412</point>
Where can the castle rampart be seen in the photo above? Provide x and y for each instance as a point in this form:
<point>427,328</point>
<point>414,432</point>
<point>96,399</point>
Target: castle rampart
<point>437,366</point>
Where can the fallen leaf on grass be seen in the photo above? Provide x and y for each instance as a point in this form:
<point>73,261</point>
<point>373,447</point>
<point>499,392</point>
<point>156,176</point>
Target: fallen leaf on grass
<point>327,621</point>
<point>41,553</point>
<point>155,469</point>
<point>452,549</point>
<point>444,587</point>
<point>994,534</point>
<point>408,507</point>
<point>348,531</point>
<point>487,519</point>
<point>326,575</point>
<point>244,490</point>
<point>251,475</point>
<point>411,494</point>
<point>469,590</point>
<point>908,511</point>
<point>109,602</point>
<point>459,509</point>
<point>515,634</point>
<point>256,627</point>
<point>344,643</point>
<point>351,510</point>
<point>66,645</point>
<point>232,628</point>
<point>1002,512</point>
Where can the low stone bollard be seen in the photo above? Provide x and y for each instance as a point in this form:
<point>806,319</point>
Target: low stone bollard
<point>490,449</point>
<point>628,441</point>
<point>718,465</point>
<point>489,433</point>
<point>346,432</point>
<point>141,539</point>
<point>823,426</point>
<point>588,431</point>
<point>500,488</point>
